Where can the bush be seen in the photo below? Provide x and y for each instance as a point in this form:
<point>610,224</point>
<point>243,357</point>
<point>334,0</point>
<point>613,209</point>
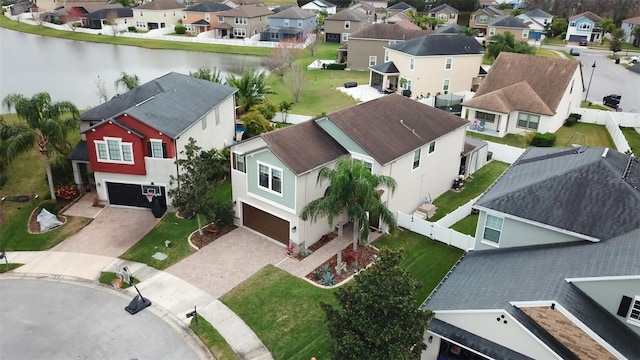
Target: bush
<point>132,29</point>
<point>224,214</point>
<point>62,172</point>
<point>543,140</point>
<point>66,192</point>
<point>572,120</point>
<point>335,66</point>
<point>180,29</point>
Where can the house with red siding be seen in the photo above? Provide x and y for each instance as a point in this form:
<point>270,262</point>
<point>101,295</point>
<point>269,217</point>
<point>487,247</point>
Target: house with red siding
<point>130,144</point>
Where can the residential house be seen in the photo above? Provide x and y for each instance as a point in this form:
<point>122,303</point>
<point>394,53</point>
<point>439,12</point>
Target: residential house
<point>236,3</point>
<point>130,143</point>
<point>399,17</point>
<point>320,5</point>
<point>511,4</point>
<point>450,29</point>
<point>51,5</point>
<point>242,22</point>
<point>537,21</point>
<point>527,290</point>
<point>203,17</point>
<point>507,23</point>
<point>447,14</point>
<point>275,174</point>
<point>584,27</point>
<point>366,47</point>
<point>480,18</point>
<point>338,27</point>
<point>292,24</point>
<point>157,14</point>
<point>375,14</point>
<point>23,6</point>
<point>378,4</point>
<point>488,3</point>
<point>525,93</point>
<point>628,25</point>
<point>429,65</point>
<point>398,8</point>
<point>118,16</point>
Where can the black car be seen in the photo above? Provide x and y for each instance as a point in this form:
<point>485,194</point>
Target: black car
<point>583,42</point>
<point>574,52</point>
<point>612,100</point>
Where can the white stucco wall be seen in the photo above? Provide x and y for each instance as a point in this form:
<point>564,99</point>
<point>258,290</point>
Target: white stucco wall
<point>168,17</point>
<point>213,136</point>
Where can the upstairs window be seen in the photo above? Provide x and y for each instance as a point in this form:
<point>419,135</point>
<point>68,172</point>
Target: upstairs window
<point>238,162</point>
<point>386,56</point>
<point>240,20</point>
<point>286,22</point>
<point>584,26</point>
<point>448,63</point>
<point>412,63</point>
<point>220,18</point>
<point>432,147</point>
<point>347,24</point>
<point>270,178</point>
<point>492,229</point>
<point>416,159</point>
<point>114,150</point>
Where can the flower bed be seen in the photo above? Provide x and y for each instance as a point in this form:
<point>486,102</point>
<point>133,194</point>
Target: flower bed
<point>366,255</point>
<point>302,253</point>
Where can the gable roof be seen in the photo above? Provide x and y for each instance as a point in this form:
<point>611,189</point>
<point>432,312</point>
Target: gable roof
<point>161,5</point>
<point>243,2</point>
<point>449,29</point>
<point>589,15</point>
<point>547,77</point>
<point>507,21</point>
<point>633,20</point>
<point>439,44</point>
<point>321,4</point>
<point>393,126</point>
<point>347,15</point>
<point>443,7</point>
<point>397,31</point>
<point>293,12</point>
<point>170,103</point>
<point>209,6</point>
<point>363,5</point>
<point>489,10</point>
<point>386,68</point>
<point>589,191</point>
<point>120,12</point>
<point>249,11</point>
<point>538,13</point>
<point>402,6</point>
<point>519,96</point>
<point>303,147</point>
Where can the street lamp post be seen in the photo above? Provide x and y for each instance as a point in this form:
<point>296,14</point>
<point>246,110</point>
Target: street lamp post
<point>593,68</point>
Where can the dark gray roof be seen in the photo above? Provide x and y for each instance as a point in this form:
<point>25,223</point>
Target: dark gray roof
<point>348,15</point>
<point>201,22</point>
<point>537,13</point>
<point>582,192</point>
<point>400,6</point>
<point>104,13</point>
<point>471,144</point>
<point>209,6</point>
<point>492,279</point>
<point>280,8</point>
<point>439,44</point>
<point>293,12</point>
<point>170,103</point>
<point>80,152</point>
<point>450,28</point>
<point>443,7</point>
<point>386,68</point>
<point>507,21</point>
<point>283,30</point>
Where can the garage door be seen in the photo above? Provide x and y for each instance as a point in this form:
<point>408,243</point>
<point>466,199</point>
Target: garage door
<point>130,195</point>
<point>265,223</point>
<point>576,38</point>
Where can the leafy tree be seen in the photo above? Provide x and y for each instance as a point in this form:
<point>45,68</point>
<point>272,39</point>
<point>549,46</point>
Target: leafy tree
<point>252,88</point>
<point>636,35</point>
<point>433,23</point>
<point>557,26</point>
<point>208,74</point>
<point>417,19</point>
<point>296,80</point>
<point>353,187</point>
<point>470,32</point>
<point>129,82</point>
<point>254,124</point>
<point>284,107</point>
<point>124,3</point>
<point>506,42</point>
<point>617,39</point>
<point>46,129</point>
<point>607,25</point>
<point>377,317</point>
<point>267,109</point>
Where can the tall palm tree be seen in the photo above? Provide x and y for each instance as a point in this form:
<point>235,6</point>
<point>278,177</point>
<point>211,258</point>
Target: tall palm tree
<point>499,43</point>
<point>416,18</point>
<point>252,88</point>
<point>208,74</point>
<point>468,31</point>
<point>353,188</point>
<point>129,82</point>
<point>46,129</point>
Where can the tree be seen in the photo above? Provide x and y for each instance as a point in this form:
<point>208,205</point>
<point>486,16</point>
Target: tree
<point>416,18</point>
<point>101,90</point>
<point>254,123</point>
<point>636,35</point>
<point>267,109</point>
<point>112,22</point>
<point>282,57</point>
<point>617,39</point>
<point>322,14</point>
<point>124,3</point>
<point>353,187</point>
<point>129,82</point>
<point>506,42</point>
<point>433,23</point>
<point>296,80</point>
<point>252,88</point>
<point>470,32</point>
<point>284,107</point>
<point>46,129</point>
<point>199,172</point>
<point>208,74</point>
<point>377,317</point>
<point>607,25</point>
<point>557,26</point>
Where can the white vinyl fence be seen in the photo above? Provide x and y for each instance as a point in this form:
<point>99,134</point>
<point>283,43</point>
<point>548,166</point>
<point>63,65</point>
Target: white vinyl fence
<point>612,121</point>
<point>505,153</point>
<point>457,214</point>
<point>435,231</point>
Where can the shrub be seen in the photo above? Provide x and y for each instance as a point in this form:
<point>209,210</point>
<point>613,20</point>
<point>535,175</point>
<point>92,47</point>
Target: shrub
<point>317,274</point>
<point>305,252</point>
<point>267,109</point>
<point>328,279</point>
<point>180,29</point>
<point>335,66</point>
<point>224,214</point>
<point>349,257</point>
<point>66,192</point>
<point>132,29</point>
<point>572,120</point>
<point>543,140</point>
<point>326,268</point>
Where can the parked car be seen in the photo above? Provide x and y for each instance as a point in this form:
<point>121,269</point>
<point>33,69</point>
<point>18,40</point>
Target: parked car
<point>612,100</point>
<point>634,59</point>
<point>583,42</point>
<point>574,52</point>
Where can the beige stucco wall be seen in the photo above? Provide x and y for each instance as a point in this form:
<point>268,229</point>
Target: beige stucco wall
<point>361,49</point>
<point>213,136</point>
<point>337,27</point>
<point>168,17</point>
<point>519,33</point>
<point>254,25</point>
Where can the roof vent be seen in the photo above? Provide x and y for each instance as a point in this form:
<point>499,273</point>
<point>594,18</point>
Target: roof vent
<point>604,153</point>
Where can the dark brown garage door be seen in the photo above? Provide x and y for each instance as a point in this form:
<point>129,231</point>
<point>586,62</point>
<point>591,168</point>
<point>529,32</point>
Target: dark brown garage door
<point>265,223</point>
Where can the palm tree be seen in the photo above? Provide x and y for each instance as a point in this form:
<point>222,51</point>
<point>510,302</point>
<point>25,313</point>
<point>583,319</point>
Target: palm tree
<point>416,18</point>
<point>352,187</point>
<point>607,25</point>
<point>208,74</point>
<point>47,125</point>
<point>252,88</point>
<point>499,43</point>
<point>470,32</point>
<point>129,82</point>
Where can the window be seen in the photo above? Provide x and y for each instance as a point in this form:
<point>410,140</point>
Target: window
<point>156,149</point>
<point>114,150</point>
<point>217,115</point>
<point>452,16</point>
<point>492,229</point>
<point>165,14</point>
<point>483,19</point>
<point>571,90</point>
<point>525,34</point>
<point>528,121</point>
<point>286,22</point>
<point>141,14</point>
<point>187,27</point>
<point>447,63</point>
<point>184,16</point>
<point>345,36</point>
<point>372,60</point>
<point>391,42</point>
<point>572,24</point>
<point>485,117</point>
<point>240,20</point>
<point>220,18</point>
<point>347,24</point>
<point>442,16</point>
<point>634,314</point>
<point>445,85</point>
<point>416,159</point>
<point>584,26</point>
<point>204,123</point>
<point>270,178</point>
<point>492,31</point>
<point>412,63</point>
<point>238,162</point>
<point>432,147</point>
<point>275,35</point>
<point>386,56</point>
<point>207,17</point>
<point>299,23</point>
<point>239,32</point>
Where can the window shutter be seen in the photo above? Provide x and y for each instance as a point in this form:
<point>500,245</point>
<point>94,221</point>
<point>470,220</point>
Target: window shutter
<point>149,153</point>
<point>164,150</point>
<point>625,304</point>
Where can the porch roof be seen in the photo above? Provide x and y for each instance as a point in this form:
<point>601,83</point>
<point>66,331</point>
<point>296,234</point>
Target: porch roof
<point>223,26</point>
<point>201,22</point>
<point>388,68</point>
<point>80,152</point>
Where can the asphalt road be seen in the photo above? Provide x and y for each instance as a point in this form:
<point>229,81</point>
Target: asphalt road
<point>42,319</point>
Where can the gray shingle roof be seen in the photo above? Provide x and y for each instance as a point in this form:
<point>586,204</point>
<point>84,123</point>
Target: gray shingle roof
<point>386,68</point>
<point>80,152</point>
<point>537,13</point>
<point>450,28</point>
<point>396,31</point>
<point>293,12</point>
<point>161,5</point>
<point>400,6</point>
<point>442,7</point>
<point>170,103</point>
<point>507,21</point>
<point>571,191</point>
<point>347,15</point>
<point>209,6</point>
<point>104,13</point>
<point>439,44</point>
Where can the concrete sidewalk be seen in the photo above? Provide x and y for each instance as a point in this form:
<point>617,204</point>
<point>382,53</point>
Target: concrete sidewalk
<point>165,291</point>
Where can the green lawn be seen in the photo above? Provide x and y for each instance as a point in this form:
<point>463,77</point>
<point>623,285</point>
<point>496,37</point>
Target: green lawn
<point>284,311</point>
<point>223,192</point>
<point>4,267</point>
<point>590,105</point>
<point>467,225</point>
<point>171,228</point>
<point>212,339</point>
<point>473,186</point>
<point>584,134</point>
<point>509,139</point>
<point>633,138</point>
<point>551,53</point>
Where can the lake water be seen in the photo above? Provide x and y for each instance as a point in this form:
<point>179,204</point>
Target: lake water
<point>69,70</point>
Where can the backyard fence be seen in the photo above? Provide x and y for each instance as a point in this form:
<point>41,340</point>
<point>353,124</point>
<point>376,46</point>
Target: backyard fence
<point>457,214</point>
<point>505,153</point>
<point>436,231</point>
<point>612,121</point>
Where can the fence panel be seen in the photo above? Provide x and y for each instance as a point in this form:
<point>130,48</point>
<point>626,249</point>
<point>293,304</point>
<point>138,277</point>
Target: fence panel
<point>457,214</point>
<point>505,153</point>
<point>435,231</point>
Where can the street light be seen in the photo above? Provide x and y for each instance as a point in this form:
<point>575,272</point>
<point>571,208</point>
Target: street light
<point>593,68</point>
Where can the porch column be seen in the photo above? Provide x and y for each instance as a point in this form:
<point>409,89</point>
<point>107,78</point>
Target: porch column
<point>76,175</point>
<point>370,77</point>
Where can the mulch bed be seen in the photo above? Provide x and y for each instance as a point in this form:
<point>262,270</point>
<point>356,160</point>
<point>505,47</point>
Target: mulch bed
<point>210,234</point>
<point>366,256</point>
<point>317,245</point>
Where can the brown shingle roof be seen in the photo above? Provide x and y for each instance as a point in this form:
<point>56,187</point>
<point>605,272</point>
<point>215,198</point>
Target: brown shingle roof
<point>589,15</point>
<point>348,15</point>
<point>303,147</point>
<point>633,20</point>
<point>248,11</point>
<point>519,96</point>
<point>548,78</point>
<point>294,12</point>
<point>161,5</point>
<point>392,126</point>
<point>396,31</point>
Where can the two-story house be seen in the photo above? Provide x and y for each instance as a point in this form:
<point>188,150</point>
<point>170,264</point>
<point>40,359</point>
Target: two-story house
<point>338,27</point>
<point>525,93</point>
<point>132,141</point>
<point>242,22</point>
<point>236,3</point>
<point>366,47</point>
<point>320,5</point>
<point>202,17</point>
<point>628,25</point>
<point>537,20</point>
<point>293,24</point>
<point>447,14</point>
<point>507,23</point>
<point>555,271</point>
<point>481,17</point>
<point>584,27</point>
<point>398,8</point>
<point>275,174</point>
<point>429,65</point>
<point>157,14</point>
<point>109,16</point>
<point>51,5</point>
